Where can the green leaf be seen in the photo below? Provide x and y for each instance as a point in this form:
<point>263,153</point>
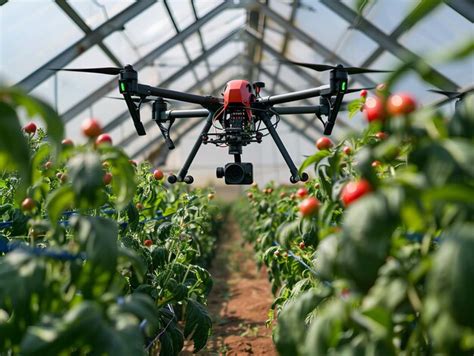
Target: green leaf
<point>198,324</point>
<point>287,232</point>
<point>14,152</point>
<point>58,201</point>
<point>87,179</point>
<point>451,279</point>
<point>355,107</point>
<point>314,159</point>
<point>98,236</point>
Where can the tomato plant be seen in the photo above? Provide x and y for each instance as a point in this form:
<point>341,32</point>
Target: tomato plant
<point>117,263</point>
<point>383,265</point>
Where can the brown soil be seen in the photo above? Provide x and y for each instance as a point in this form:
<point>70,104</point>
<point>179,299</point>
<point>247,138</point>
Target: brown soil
<point>239,302</point>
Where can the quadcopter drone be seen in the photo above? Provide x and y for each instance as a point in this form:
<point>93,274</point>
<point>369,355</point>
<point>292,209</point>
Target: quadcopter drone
<point>236,117</point>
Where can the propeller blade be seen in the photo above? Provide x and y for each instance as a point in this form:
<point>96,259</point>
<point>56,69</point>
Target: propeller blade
<point>449,94</point>
<point>355,90</point>
<point>357,70</point>
<point>103,70</point>
<point>325,67</point>
<point>316,67</point>
<point>135,100</point>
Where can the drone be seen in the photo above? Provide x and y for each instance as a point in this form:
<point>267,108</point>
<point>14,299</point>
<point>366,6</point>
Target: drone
<point>239,117</point>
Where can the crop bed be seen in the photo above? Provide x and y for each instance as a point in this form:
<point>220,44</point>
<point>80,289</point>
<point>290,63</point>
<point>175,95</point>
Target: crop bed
<point>375,255</point>
<point>97,255</point>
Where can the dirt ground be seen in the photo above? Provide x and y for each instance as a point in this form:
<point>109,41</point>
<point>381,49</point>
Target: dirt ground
<point>238,303</point>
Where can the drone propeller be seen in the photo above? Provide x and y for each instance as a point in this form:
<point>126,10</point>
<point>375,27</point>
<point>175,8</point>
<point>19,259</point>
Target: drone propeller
<point>325,67</point>
<point>135,100</point>
<point>100,70</point>
<point>355,90</point>
<point>451,95</point>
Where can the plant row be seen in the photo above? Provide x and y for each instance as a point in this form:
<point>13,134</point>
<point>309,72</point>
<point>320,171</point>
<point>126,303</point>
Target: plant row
<point>97,254</point>
<point>375,254</point>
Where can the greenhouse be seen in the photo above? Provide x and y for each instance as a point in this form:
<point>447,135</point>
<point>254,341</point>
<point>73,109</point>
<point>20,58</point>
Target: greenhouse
<point>237,177</point>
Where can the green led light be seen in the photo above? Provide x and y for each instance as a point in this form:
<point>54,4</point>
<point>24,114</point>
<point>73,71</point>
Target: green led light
<point>122,87</point>
<point>343,86</point>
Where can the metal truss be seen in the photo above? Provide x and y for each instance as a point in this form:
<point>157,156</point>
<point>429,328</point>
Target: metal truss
<point>385,41</point>
<point>462,7</point>
<point>116,23</point>
<point>144,61</point>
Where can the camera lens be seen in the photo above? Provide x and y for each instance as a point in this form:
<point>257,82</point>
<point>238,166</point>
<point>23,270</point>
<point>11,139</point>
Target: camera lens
<point>234,173</point>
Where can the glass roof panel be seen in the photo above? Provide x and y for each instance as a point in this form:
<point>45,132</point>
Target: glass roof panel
<point>182,12</point>
<point>204,6</point>
<point>73,87</point>
<point>387,15</point>
<point>150,29</point>
<point>29,37</point>
<point>222,25</point>
<point>96,12</point>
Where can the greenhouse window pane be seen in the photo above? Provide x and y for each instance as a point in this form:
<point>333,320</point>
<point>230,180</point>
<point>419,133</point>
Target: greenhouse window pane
<point>95,13</point>
<point>182,12</point>
<point>222,25</point>
<point>204,6</point>
<point>74,87</point>
<point>150,29</point>
<point>387,15</point>
<point>29,37</point>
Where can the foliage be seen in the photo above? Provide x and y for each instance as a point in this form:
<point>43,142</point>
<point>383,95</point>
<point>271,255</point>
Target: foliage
<point>392,272</point>
<point>77,277</point>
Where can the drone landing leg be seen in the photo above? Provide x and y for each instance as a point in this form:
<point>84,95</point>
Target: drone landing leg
<point>182,175</point>
<point>294,171</point>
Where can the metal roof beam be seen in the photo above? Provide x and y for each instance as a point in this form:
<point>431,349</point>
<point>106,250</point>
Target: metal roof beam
<point>201,41</point>
<point>463,7</point>
<point>185,50</point>
<point>403,27</point>
<point>74,16</point>
<point>144,61</point>
<point>308,40</point>
<point>178,74</point>
<point>89,40</point>
<point>384,40</point>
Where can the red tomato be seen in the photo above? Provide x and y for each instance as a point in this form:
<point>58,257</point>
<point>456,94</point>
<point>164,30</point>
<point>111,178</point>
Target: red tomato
<point>347,150</point>
<point>28,204</point>
<point>48,165</point>
<point>302,245</point>
<point>381,87</point>
<point>30,128</point>
<point>107,178</point>
<point>302,192</point>
<point>381,135</point>
<point>363,93</point>
<point>139,206</point>
<point>103,138</point>
<point>309,206</point>
<point>158,174</point>
<point>91,128</point>
<point>323,143</point>
<point>374,109</point>
<point>354,190</point>
<point>148,243</point>
<point>67,142</point>
<point>292,196</point>
<point>250,195</point>
<point>402,103</point>
<point>376,163</point>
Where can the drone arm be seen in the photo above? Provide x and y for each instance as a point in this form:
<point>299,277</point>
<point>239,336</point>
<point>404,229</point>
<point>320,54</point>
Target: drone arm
<point>206,101</point>
<point>293,110</point>
<point>186,114</point>
<point>294,96</point>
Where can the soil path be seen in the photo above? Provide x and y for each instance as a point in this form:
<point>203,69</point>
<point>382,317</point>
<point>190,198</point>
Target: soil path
<point>239,301</point>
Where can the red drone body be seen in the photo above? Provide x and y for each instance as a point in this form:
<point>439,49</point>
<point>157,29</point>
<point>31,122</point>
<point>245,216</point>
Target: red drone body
<point>238,93</point>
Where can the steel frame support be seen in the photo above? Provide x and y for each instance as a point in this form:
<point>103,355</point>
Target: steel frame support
<point>74,16</point>
<point>120,118</point>
<point>308,40</point>
<point>144,61</point>
<point>286,39</point>
<point>384,40</point>
<point>403,27</point>
<point>89,40</point>
<point>176,27</point>
<point>462,7</point>
<point>201,41</point>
